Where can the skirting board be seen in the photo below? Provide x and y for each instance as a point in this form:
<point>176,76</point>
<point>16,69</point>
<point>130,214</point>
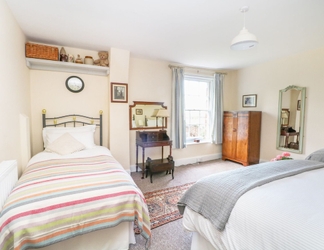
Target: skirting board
<point>186,161</point>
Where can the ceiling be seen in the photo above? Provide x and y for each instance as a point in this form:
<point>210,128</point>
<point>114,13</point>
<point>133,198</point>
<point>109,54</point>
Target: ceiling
<point>189,32</point>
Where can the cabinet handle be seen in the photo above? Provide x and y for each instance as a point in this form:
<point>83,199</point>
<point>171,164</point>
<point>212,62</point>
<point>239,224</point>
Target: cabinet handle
<point>234,129</point>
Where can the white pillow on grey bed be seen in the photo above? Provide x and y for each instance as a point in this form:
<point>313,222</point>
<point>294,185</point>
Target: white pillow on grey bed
<point>65,144</point>
<point>84,134</point>
<point>318,155</point>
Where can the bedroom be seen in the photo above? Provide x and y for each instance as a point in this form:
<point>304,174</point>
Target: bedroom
<point>24,91</point>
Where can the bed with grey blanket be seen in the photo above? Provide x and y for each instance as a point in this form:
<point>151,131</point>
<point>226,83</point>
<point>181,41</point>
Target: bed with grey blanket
<point>215,196</point>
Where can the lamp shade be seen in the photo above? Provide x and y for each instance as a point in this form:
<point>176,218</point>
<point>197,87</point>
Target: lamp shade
<point>284,115</point>
<point>244,40</point>
<point>162,113</point>
<point>155,112</point>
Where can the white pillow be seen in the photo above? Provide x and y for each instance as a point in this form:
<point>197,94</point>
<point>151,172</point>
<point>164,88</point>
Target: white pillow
<point>84,134</point>
<point>318,155</point>
<point>65,144</point>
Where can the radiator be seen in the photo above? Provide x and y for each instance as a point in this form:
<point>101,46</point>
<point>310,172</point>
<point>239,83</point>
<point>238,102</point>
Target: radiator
<point>8,179</point>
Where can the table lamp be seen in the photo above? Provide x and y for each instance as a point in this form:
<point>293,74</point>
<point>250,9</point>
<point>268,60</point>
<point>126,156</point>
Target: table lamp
<point>162,113</point>
<point>154,115</point>
<point>140,123</point>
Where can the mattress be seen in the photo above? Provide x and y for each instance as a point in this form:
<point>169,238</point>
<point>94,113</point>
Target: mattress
<point>64,199</point>
<point>283,214</point>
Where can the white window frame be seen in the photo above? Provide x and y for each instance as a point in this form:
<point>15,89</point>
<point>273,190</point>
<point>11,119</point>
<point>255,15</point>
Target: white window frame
<point>209,80</point>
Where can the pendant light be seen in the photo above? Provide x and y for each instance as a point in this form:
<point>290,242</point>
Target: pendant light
<point>244,40</point>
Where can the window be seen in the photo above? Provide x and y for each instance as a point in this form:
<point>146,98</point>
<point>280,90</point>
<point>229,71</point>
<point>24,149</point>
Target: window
<point>197,108</point>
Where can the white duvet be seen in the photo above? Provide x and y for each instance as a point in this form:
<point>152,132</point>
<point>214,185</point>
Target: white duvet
<point>284,214</point>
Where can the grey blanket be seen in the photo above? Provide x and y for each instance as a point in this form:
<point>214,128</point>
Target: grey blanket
<point>214,196</point>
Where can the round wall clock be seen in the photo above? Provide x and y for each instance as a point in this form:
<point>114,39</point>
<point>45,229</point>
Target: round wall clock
<point>74,84</point>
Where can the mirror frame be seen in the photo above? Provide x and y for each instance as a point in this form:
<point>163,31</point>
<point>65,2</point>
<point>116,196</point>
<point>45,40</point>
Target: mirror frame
<point>302,118</point>
<point>145,103</point>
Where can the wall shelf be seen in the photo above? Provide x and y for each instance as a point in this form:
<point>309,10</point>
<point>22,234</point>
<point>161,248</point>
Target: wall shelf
<point>40,64</point>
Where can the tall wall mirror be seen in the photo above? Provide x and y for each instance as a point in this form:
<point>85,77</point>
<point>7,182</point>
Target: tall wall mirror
<point>291,113</point>
<point>143,115</point>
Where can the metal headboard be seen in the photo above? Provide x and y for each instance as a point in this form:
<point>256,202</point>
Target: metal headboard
<point>74,120</point>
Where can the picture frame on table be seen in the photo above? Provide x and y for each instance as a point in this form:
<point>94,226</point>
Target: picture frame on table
<point>119,92</point>
<point>249,101</point>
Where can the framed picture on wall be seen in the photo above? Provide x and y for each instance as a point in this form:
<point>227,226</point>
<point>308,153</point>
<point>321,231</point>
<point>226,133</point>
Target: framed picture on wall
<point>119,92</point>
<point>298,104</point>
<point>139,111</point>
<point>249,101</point>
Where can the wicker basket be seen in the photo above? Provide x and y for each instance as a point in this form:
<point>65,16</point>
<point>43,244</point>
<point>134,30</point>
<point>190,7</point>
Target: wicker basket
<point>42,51</point>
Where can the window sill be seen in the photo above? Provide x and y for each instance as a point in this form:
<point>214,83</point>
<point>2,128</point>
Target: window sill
<point>197,143</point>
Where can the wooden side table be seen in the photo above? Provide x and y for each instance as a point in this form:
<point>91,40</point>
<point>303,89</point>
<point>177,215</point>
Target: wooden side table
<point>151,139</point>
<point>287,134</point>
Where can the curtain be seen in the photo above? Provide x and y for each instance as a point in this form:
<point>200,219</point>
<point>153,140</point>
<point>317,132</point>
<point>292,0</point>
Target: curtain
<point>178,126</point>
<point>217,109</point>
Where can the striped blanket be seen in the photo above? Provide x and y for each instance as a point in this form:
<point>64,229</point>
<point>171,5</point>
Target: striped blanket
<point>58,199</point>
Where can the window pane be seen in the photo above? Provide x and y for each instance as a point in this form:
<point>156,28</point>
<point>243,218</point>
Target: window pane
<point>197,124</point>
<point>197,108</point>
<point>196,93</point>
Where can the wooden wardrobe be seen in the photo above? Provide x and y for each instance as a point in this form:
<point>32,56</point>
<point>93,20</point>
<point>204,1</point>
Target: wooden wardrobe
<point>241,136</point>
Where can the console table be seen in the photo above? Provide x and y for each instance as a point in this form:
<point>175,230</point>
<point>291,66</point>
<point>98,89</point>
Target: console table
<point>147,139</point>
<point>287,134</point>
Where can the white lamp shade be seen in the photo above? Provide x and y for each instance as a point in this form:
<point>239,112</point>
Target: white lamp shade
<point>244,40</point>
<point>162,113</point>
<point>155,112</point>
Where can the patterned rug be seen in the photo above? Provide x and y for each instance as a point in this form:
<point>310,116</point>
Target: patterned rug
<point>162,204</point>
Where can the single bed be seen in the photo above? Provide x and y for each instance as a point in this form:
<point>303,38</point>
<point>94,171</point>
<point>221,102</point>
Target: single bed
<point>285,212</point>
<point>73,195</point>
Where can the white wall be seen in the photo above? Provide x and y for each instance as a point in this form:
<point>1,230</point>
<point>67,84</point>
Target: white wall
<point>14,83</point>
<point>265,80</point>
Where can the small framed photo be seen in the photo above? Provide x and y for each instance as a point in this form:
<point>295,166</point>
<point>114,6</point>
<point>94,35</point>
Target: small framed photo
<point>139,111</point>
<point>249,101</point>
<point>119,92</point>
<point>298,104</point>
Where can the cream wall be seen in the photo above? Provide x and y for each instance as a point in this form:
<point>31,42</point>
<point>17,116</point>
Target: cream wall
<point>150,81</point>
<point>26,92</point>
<point>14,82</point>
<point>48,91</point>
<point>265,80</point>
<point>118,125</point>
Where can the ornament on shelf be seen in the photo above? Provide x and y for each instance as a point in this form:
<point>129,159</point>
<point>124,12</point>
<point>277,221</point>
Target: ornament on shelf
<point>63,55</point>
<point>70,58</point>
<point>103,59</point>
<point>88,60</point>
<point>79,60</point>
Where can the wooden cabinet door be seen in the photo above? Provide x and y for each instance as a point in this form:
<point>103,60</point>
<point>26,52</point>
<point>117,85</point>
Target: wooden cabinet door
<point>229,134</point>
<point>242,137</point>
